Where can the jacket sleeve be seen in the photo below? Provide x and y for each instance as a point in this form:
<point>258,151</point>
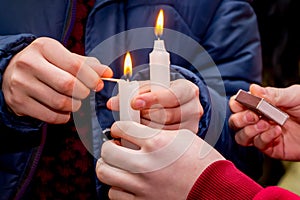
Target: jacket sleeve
<point>10,124</point>
<point>231,60</point>
<point>233,42</point>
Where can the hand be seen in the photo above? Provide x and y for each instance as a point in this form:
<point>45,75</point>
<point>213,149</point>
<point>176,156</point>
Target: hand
<point>176,108</point>
<point>47,82</point>
<point>165,167</point>
<point>273,140</point>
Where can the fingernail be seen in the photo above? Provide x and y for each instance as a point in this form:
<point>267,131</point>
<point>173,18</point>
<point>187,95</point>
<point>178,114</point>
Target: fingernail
<point>107,72</point>
<point>139,103</point>
<point>278,131</point>
<point>99,86</point>
<point>258,89</point>
<point>262,125</point>
<point>250,117</point>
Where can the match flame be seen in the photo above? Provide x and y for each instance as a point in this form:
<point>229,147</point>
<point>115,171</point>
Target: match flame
<point>159,28</point>
<point>128,65</point>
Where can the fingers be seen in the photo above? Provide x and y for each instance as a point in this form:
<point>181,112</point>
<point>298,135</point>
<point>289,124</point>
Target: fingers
<point>180,92</point>
<point>61,81</point>
<point>163,116</point>
<point>264,140</point>
<point>100,69</point>
<point>113,176</point>
<point>113,103</point>
<point>260,135</point>
<point>132,131</point>
<point>169,118</point>
<point>184,90</point>
<point>90,72</point>
<point>39,111</point>
<point>167,108</point>
<point>27,96</point>
<point>50,81</point>
<point>176,107</point>
<point>87,70</point>
<point>176,115</point>
<point>158,149</point>
<point>160,126</point>
<point>184,125</point>
<point>252,131</point>
<point>278,96</point>
<point>235,106</point>
<point>246,135</point>
<point>118,194</point>
<point>52,99</point>
<point>163,98</point>
<point>241,119</point>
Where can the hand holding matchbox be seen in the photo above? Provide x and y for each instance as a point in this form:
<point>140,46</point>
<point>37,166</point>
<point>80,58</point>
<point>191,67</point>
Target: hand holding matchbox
<point>261,106</point>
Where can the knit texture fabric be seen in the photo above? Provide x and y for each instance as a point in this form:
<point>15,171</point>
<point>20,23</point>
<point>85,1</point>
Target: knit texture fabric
<point>222,180</point>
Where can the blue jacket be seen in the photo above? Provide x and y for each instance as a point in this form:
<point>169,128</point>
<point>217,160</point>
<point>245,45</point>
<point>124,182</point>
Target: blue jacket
<point>214,44</point>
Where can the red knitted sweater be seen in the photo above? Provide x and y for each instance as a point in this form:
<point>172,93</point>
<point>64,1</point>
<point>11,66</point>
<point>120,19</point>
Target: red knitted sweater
<point>222,180</point>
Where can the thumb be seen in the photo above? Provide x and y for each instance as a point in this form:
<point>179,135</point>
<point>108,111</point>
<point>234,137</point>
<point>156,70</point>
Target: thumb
<point>281,97</point>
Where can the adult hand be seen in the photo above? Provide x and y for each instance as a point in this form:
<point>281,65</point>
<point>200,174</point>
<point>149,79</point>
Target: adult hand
<point>280,142</point>
<point>175,108</point>
<point>47,82</point>
<point>165,167</point>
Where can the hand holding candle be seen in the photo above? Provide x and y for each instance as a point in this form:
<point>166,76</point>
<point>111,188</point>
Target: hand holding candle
<point>162,104</point>
<point>175,108</point>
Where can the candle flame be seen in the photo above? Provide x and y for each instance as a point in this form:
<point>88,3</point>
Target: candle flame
<point>128,65</point>
<point>159,24</point>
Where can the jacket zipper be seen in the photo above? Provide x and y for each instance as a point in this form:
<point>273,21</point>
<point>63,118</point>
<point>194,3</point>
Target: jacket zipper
<point>69,23</point>
<point>33,167</point>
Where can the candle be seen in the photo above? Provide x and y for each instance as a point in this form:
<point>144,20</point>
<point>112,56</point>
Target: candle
<point>127,90</point>
<point>159,59</point>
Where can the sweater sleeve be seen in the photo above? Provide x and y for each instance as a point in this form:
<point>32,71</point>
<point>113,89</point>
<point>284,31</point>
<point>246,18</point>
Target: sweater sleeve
<point>274,192</point>
<point>222,180</point>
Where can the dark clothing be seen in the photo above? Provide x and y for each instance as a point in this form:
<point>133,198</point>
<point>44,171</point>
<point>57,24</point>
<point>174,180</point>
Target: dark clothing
<point>66,169</point>
<point>226,29</point>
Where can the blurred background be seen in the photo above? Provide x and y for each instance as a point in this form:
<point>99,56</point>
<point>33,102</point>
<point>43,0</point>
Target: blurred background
<point>279,23</point>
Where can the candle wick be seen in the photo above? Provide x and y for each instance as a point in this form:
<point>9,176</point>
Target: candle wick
<point>127,77</point>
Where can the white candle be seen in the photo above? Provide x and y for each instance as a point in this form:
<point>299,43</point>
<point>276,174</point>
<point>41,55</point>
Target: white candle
<point>127,90</point>
<point>159,59</point>
<point>159,66</point>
